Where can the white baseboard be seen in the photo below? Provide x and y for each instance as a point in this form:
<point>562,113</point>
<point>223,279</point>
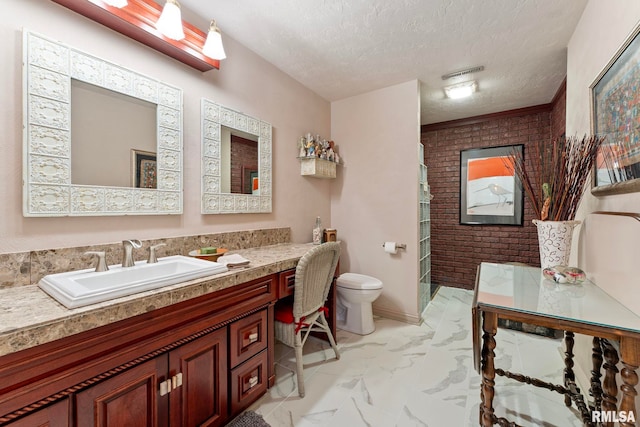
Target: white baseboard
<point>412,319</point>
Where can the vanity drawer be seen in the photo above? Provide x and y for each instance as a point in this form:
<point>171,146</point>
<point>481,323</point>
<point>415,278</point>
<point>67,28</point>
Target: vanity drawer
<point>248,382</point>
<point>248,337</point>
<point>286,282</point>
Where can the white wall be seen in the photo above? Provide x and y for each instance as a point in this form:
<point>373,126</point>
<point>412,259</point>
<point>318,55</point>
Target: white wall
<point>375,197</point>
<point>245,82</point>
<point>602,30</point>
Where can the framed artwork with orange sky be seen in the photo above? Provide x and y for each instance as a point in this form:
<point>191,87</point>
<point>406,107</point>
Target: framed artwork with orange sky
<point>490,194</point>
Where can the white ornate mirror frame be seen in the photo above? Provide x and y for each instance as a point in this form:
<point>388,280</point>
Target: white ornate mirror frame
<point>48,68</point>
<point>215,116</point>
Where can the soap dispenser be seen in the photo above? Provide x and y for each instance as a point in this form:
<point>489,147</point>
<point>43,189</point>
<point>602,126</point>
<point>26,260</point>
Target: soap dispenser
<point>317,232</point>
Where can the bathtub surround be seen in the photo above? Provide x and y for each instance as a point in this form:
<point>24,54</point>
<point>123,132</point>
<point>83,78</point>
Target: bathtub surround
<point>25,268</point>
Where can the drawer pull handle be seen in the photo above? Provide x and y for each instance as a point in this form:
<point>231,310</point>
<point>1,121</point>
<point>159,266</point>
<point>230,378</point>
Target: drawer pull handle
<point>165,387</point>
<point>171,384</point>
<point>253,381</point>
<point>253,337</point>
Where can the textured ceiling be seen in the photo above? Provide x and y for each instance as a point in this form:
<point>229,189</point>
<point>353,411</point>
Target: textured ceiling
<point>343,48</point>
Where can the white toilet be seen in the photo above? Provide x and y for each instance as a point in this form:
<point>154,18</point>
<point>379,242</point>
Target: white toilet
<point>356,292</point>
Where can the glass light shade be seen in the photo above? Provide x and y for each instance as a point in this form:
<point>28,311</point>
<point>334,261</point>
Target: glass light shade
<point>116,3</point>
<point>170,21</point>
<point>213,47</point>
<point>461,90</point>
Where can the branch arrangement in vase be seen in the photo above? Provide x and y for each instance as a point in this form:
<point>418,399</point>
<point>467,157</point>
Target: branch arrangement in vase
<point>554,175</point>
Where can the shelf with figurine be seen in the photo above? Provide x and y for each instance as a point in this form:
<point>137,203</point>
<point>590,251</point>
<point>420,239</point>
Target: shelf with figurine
<point>318,157</point>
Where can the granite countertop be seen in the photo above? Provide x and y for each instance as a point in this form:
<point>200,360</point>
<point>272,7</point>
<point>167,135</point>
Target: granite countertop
<point>29,317</point>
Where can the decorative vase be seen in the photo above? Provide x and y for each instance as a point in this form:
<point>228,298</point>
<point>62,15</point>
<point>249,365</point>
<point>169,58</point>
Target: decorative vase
<point>554,239</point>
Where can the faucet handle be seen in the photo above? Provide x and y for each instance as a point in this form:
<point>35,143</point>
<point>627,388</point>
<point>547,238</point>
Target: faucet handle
<point>102,263</point>
<point>135,243</point>
<point>152,253</point>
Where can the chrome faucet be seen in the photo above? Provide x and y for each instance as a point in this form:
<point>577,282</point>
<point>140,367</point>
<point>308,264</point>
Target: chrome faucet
<point>127,251</point>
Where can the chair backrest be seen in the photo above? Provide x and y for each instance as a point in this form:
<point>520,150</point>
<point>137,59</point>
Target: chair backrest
<point>314,275</point>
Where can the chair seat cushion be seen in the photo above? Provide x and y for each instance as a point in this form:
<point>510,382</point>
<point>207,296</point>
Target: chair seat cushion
<point>284,311</point>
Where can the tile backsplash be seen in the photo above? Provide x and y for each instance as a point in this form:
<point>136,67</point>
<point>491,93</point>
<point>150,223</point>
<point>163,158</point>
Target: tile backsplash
<point>25,268</point>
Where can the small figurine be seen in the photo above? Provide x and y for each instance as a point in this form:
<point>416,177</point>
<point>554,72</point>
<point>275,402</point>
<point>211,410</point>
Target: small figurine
<point>301,144</point>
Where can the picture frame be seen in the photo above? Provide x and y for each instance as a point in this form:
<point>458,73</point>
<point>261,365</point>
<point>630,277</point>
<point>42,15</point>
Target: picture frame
<point>249,180</point>
<point>144,172</point>
<point>490,193</point>
<point>615,113</point>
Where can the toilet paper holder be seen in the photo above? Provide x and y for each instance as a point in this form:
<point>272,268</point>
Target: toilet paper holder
<point>399,246</point>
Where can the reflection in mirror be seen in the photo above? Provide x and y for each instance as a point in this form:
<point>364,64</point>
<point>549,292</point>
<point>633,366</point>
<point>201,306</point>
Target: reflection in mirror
<point>61,137</point>
<point>113,138</point>
<point>239,167</point>
<point>236,161</point>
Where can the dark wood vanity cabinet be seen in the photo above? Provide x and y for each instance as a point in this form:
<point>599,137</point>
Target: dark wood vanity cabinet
<point>186,387</point>
<point>56,415</point>
<point>194,363</point>
<point>130,398</point>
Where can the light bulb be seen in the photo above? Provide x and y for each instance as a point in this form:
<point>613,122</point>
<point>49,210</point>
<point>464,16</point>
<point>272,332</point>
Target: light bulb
<point>170,21</point>
<point>213,47</point>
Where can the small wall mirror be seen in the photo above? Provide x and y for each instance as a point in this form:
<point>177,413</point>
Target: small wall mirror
<point>99,139</point>
<point>236,161</point>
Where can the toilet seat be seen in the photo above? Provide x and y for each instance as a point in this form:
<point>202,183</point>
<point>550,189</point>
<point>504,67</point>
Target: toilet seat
<point>358,281</point>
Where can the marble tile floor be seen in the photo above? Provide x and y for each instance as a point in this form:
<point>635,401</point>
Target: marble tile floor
<point>406,375</point>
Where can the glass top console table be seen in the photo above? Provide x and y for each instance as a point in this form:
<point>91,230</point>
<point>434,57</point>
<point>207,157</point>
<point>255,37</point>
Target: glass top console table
<point>522,294</point>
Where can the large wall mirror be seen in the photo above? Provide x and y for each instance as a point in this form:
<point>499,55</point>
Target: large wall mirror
<point>236,161</point>
<point>99,139</point>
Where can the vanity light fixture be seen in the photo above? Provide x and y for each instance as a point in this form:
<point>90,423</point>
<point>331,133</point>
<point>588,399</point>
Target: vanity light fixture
<point>117,3</point>
<point>213,47</point>
<point>137,20</point>
<point>170,21</point>
<point>461,90</point>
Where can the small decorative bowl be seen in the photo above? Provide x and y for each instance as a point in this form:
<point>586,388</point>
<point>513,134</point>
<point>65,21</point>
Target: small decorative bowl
<point>564,274</point>
<point>209,257</point>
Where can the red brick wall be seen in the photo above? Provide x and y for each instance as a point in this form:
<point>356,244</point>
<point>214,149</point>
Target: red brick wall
<point>244,153</point>
<point>457,250</point>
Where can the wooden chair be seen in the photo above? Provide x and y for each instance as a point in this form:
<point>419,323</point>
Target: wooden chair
<point>295,320</point>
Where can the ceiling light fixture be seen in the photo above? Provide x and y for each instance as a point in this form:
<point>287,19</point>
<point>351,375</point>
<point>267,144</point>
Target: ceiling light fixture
<point>461,90</point>
<point>213,47</point>
<point>170,21</point>
<point>116,3</point>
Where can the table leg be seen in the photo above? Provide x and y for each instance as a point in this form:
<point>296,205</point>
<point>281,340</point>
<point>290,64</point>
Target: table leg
<point>569,375</point>
<point>489,328</point>
<point>610,397</point>
<point>630,349</point>
<point>596,385</point>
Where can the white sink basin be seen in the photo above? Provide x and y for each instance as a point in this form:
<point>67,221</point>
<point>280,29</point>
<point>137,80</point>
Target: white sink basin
<point>83,287</point>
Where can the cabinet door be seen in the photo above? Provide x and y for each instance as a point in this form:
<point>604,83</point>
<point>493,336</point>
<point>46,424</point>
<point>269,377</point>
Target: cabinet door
<point>127,399</point>
<point>56,415</point>
<point>201,400</point>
